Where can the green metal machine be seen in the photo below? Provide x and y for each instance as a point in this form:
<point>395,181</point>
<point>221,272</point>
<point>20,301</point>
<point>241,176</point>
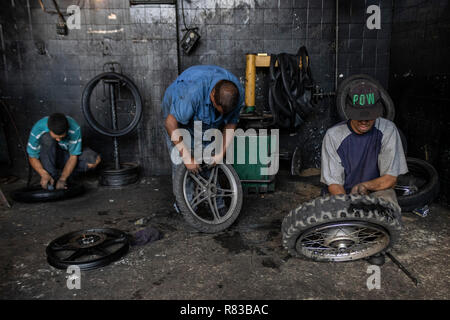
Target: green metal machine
<point>253,153</point>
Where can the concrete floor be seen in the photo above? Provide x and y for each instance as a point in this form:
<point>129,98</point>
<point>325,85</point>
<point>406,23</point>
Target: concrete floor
<point>244,262</point>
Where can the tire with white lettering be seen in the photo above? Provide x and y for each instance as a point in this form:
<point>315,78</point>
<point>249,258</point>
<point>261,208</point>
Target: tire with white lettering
<point>341,228</point>
<point>344,87</point>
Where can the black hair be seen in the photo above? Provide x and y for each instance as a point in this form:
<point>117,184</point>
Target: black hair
<point>226,95</point>
<point>57,123</point>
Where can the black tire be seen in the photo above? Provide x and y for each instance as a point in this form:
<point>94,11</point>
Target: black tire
<point>127,174</point>
<point>190,218</point>
<point>424,176</point>
<point>341,209</point>
<point>54,259</point>
<point>389,109</point>
<point>85,104</point>
<point>37,194</point>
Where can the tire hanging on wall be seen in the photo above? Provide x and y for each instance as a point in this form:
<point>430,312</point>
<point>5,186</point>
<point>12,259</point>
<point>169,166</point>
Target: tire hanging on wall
<point>117,174</point>
<point>86,105</point>
<point>290,89</point>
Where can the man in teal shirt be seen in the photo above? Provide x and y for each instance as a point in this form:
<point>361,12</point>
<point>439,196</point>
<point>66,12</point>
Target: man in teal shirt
<point>54,144</point>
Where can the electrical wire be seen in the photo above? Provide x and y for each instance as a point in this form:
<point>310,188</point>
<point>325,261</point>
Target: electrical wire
<point>184,19</point>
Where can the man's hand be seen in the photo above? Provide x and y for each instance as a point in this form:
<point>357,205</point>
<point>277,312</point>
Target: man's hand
<point>61,184</point>
<point>360,188</point>
<point>45,179</point>
<point>192,165</point>
<point>217,159</point>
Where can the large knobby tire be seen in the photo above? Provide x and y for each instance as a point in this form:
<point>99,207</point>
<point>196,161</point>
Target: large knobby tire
<point>181,175</point>
<point>37,194</point>
<point>423,176</point>
<point>86,105</point>
<point>341,210</point>
<point>341,96</point>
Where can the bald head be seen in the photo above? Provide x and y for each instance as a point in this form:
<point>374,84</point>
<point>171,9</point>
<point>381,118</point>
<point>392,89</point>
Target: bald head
<point>226,95</point>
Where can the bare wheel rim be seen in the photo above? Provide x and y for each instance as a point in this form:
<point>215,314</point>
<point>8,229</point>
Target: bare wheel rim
<point>343,241</point>
<point>207,191</point>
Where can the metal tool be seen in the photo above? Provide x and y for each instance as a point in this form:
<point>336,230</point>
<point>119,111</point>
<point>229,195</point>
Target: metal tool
<point>3,199</point>
<point>422,212</point>
<point>394,260</point>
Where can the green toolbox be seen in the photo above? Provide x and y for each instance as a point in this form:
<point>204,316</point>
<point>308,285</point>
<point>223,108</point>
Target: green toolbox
<point>253,155</point>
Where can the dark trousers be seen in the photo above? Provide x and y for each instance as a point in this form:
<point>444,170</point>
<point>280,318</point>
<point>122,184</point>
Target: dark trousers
<point>54,158</point>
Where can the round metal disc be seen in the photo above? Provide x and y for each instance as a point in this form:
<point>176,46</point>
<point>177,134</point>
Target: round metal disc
<point>87,249</point>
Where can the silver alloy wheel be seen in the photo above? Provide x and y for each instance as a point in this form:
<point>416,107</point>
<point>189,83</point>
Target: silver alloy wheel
<point>206,191</point>
<point>344,241</point>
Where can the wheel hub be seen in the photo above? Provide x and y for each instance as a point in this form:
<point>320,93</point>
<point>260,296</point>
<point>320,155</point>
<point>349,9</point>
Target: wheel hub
<point>343,241</point>
<point>340,238</point>
<point>88,240</point>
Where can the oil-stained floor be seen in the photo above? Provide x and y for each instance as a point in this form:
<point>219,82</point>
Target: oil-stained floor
<point>245,262</point>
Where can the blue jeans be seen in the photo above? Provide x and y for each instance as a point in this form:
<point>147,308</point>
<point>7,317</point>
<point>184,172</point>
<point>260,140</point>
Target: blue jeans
<point>190,183</point>
<point>54,158</point>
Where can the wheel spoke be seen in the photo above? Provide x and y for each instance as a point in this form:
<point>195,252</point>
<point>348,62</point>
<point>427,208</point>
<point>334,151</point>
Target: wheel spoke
<point>101,251</point>
<point>77,254</point>
<point>63,247</point>
<point>199,180</point>
<point>213,175</point>
<point>223,192</point>
<point>199,200</point>
<point>110,242</point>
<point>215,211</point>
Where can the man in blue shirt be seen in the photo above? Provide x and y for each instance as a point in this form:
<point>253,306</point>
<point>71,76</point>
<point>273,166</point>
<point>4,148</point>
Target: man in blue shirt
<point>209,94</point>
<point>365,153</point>
<point>55,143</point>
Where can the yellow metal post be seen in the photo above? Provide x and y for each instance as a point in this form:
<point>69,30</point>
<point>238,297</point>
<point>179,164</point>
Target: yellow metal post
<point>250,82</point>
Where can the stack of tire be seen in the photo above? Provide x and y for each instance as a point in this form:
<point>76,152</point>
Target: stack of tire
<point>128,172</point>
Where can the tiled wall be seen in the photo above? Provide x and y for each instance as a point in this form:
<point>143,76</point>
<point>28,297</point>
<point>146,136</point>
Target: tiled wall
<point>420,81</point>
<point>143,40</point>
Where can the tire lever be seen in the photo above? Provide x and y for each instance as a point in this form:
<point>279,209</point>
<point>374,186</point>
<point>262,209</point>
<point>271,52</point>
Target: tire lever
<point>394,260</point>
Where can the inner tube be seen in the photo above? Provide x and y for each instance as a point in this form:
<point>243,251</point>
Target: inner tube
<point>290,88</point>
<point>35,193</point>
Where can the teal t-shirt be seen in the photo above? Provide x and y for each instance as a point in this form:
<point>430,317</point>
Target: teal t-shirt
<point>71,142</point>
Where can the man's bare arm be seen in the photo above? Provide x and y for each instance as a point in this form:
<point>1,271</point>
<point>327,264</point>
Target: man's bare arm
<point>45,176</point>
<point>382,183</point>
<point>69,167</point>
<point>171,124</point>
<point>228,135</point>
<point>336,189</point>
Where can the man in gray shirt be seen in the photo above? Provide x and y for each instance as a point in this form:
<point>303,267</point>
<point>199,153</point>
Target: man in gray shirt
<point>364,154</point>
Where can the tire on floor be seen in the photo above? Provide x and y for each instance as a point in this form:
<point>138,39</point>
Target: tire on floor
<point>339,209</point>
